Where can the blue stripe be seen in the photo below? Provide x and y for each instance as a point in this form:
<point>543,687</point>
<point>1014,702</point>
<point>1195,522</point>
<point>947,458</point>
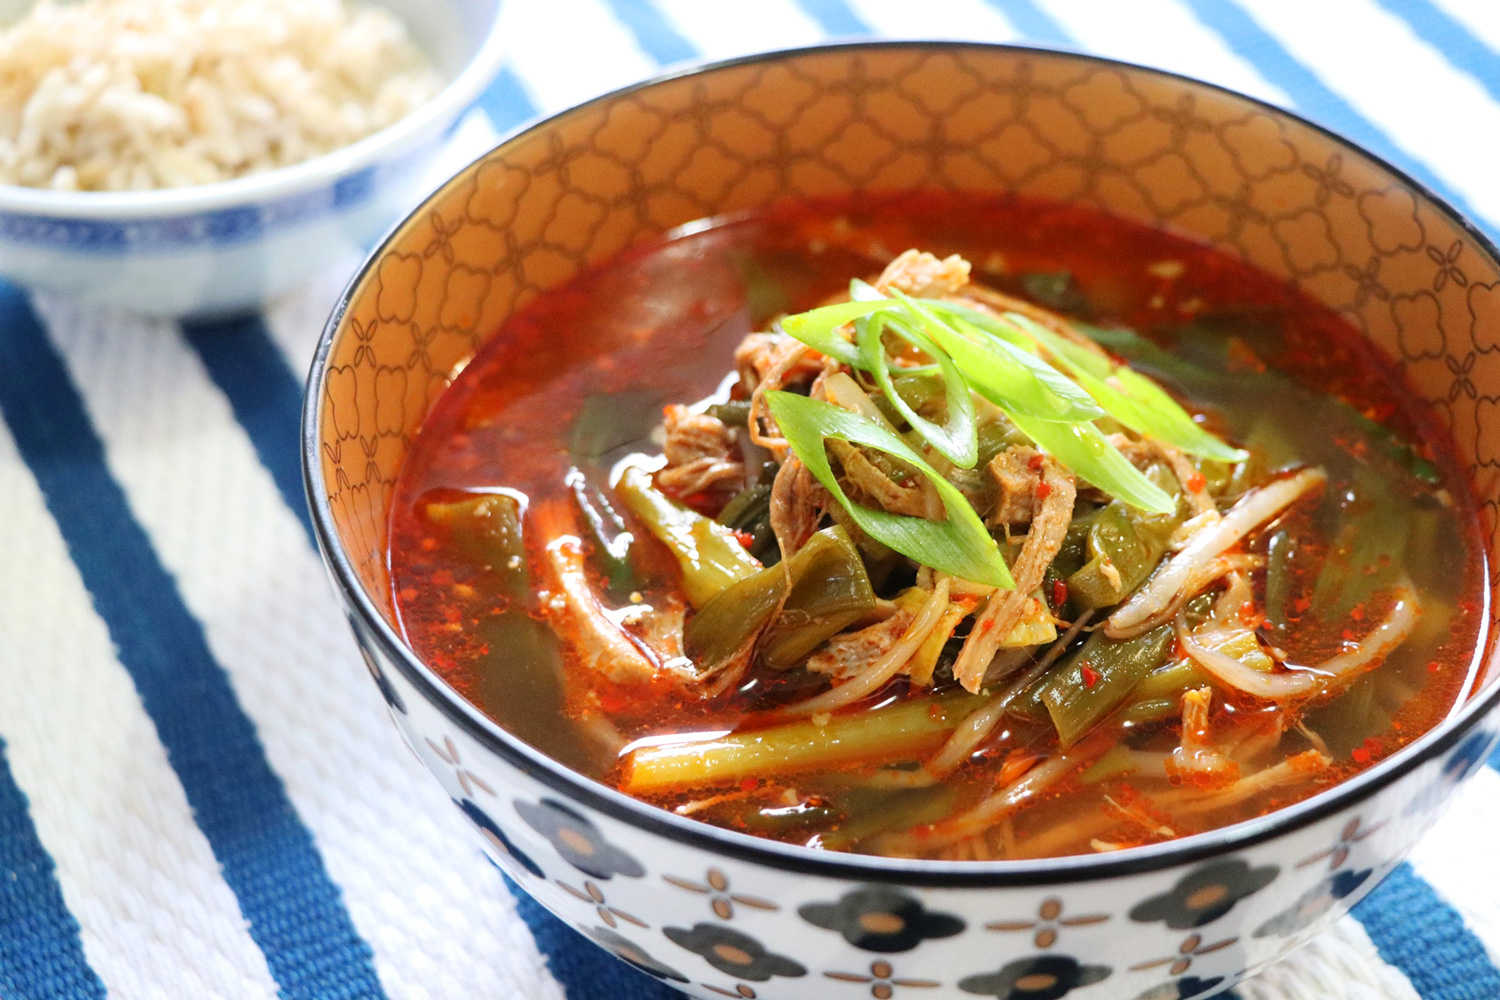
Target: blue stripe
<point>1424,937</point>
<point>245,364</point>
<point>41,957</point>
<point>505,102</point>
<point>294,910</point>
<point>653,33</point>
<point>1313,98</point>
<point>1034,24</point>
<point>586,970</point>
<point>835,17</point>
<point>1438,28</point>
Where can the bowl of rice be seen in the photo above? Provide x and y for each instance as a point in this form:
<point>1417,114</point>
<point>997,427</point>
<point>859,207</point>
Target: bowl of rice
<point>196,157</point>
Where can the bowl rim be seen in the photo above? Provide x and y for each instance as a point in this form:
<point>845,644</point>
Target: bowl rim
<point>279,183</point>
<point>913,872</point>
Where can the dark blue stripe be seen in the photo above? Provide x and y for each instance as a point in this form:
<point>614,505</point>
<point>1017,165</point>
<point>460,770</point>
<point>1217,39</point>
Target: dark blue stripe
<point>835,17</point>
<point>246,365</point>
<point>41,957</point>
<point>294,910</point>
<point>505,102</point>
<point>586,970</point>
<point>1457,44</point>
<point>1424,937</point>
<point>1313,98</point>
<point>1034,24</point>
<point>653,33</point>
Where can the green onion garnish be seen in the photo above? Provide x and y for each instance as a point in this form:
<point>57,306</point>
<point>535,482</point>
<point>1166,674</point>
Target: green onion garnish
<point>996,358</point>
<point>1087,453</point>
<point>819,329</point>
<point>959,545</point>
<point>1005,374</point>
<point>1128,396</point>
<point>955,438</point>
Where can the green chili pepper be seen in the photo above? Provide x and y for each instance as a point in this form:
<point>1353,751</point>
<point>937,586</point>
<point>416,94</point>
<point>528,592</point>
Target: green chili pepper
<point>902,731</point>
<point>1096,679</point>
<point>710,555</point>
<point>517,678</point>
<point>485,528</point>
<point>1123,545</point>
<point>830,590</point>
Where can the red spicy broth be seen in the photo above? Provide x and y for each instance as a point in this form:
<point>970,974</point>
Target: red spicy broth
<point>577,380</point>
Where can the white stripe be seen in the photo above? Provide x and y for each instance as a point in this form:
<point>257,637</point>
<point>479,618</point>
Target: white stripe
<point>1161,33</point>
<point>1481,17</point>
<point>968,20</point>
<point>155,916</point>
<point>567,51</point>
<point>1339,964</point>
<point>1458,858</point>
<point>1435,113</point>
<point>721,31</point>
<point>436,914</point>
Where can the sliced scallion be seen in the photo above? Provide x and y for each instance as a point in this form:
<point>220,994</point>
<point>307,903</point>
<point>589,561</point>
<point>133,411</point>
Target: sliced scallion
<point>1005,374</point>
<point>959,545</point>
<point>996,358</point>
<point>955,438</point>
<point>1128,396</point>
<point>819,328</point>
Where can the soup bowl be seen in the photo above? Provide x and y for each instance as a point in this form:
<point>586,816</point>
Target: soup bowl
<point>224,248</point>
<point>718,913</point>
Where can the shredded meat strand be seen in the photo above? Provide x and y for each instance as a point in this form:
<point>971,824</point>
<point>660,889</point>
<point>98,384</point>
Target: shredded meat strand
<point>1048,529</point>
<point>1017,474</point>
<point>659,629</point>
<point>759,353</point>
<point>920,499</point>
<point>602,645</point>
<point>1188,477</point>
<point>923,276</point>
<point>726,674</point>
<point>797,504</point>
<point>773,361</point>
<point>700,452</point>
<point>851,653</point>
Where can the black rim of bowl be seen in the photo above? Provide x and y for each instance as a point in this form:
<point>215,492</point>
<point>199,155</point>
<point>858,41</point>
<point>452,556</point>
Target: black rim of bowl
<point>790,857</point>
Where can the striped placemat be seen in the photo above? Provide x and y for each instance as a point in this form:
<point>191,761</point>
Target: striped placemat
<point>200,795</point>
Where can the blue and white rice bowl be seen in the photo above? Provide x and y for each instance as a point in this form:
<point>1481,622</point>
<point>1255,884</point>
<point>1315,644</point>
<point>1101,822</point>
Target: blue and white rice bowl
<point>226,247</point>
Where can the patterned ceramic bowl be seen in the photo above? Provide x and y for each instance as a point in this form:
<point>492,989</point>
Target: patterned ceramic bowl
<point>226,247</point>
<point>721,914</point>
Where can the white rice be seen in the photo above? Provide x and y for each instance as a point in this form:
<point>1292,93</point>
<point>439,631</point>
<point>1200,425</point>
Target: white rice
<point>115,95</point>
